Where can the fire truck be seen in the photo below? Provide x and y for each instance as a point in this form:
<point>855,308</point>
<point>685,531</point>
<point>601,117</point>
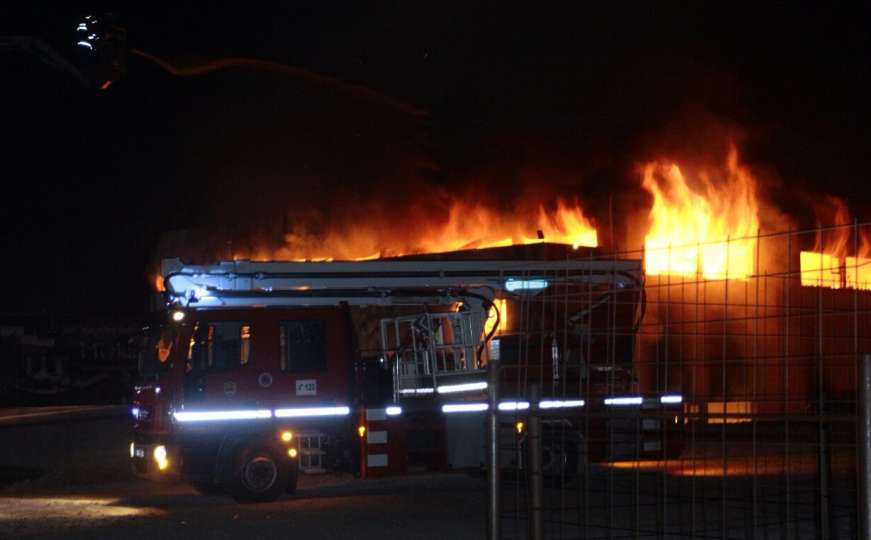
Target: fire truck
<point>261,371</point>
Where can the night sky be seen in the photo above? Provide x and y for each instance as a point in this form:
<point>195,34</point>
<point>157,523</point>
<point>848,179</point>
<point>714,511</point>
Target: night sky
<point>464,97</point>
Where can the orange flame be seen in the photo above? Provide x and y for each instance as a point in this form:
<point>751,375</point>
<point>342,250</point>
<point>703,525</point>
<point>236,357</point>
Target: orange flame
<point>707,230</point>
<point>467,226</point>
<point>828,265</point>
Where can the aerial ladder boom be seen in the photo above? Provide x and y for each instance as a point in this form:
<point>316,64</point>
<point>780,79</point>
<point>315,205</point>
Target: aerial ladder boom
<point>244,283</point>
<point>424,349</point>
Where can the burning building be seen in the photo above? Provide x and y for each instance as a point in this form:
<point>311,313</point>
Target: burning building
<point>741,314</point>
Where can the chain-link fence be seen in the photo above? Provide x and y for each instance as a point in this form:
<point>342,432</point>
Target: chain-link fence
<point>720,394</point>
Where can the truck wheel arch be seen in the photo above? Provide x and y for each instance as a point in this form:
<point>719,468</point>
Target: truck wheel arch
<point>234,443</point>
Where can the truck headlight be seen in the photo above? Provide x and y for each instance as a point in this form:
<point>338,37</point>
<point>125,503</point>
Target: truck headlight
<point>140,413</point>
<point>160,457</point>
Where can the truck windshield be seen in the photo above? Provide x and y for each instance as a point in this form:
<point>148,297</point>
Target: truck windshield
<point>155,356</point>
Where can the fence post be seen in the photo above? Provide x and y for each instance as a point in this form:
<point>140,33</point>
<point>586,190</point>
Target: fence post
<point>824,464</point>
<point>493,509</point>
<point>536,528</point>
<point>864,428</point>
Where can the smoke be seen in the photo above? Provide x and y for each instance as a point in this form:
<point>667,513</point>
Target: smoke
<point>329,179</point>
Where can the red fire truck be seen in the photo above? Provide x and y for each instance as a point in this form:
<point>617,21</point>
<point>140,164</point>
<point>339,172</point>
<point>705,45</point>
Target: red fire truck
<point>263,370</point>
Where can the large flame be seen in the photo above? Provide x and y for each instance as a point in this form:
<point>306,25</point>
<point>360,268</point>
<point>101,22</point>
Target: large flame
<point>828,265</point>
<point>705,228</point>
<point>466,225</point>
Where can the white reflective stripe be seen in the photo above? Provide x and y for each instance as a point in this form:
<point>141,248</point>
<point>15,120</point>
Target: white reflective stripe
<point>512,285</point>
<point>207,416</point>
<point>671,399</point>
<point>376,460</point>
<point>560,404</point>
<point>464,407</point>
<point>303,412</point>
<point>418,391</point>
<point>632,400</point>
<point>376,437</point>
<point>376,414</point>
<point>393,411</point>
<point>465,387</point>
<point>513,405</point>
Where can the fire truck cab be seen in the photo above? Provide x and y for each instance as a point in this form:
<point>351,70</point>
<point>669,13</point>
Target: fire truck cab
<point>264,370</point>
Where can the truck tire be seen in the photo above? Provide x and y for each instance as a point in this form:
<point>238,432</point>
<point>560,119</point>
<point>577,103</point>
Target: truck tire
<point>259,475</point>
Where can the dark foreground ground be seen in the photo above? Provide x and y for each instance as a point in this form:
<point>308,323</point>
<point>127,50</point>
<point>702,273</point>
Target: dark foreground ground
<point>441,506</point>
<point>67,475</point>
<point>71,478</point>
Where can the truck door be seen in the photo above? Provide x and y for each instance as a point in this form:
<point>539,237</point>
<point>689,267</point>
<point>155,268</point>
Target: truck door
<point>247,358</point>
<point>218,349</point>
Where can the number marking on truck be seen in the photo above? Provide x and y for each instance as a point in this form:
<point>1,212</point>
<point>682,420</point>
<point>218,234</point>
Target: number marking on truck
<point>307,387</point>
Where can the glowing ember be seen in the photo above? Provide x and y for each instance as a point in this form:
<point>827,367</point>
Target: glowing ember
<point>709,229</point>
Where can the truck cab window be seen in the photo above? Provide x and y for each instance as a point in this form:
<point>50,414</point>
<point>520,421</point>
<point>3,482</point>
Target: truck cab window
<point>303,346</point>
<point>217,346</point>
<point>244,344</point>
<point>164,346</point>
<point>155,356</point>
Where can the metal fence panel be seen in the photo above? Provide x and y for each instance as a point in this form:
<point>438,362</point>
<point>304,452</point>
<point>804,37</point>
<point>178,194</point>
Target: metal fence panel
<point>764,354</point>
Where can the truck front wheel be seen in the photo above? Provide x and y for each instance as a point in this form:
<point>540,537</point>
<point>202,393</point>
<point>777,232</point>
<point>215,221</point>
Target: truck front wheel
<point>260,475</point>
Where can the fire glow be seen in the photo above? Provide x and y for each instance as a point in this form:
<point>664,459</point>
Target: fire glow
<point>828,265</point>
<point>467,226</point>
<point>703,228</point>
<point>703,223</point>
<point>835,272</point>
